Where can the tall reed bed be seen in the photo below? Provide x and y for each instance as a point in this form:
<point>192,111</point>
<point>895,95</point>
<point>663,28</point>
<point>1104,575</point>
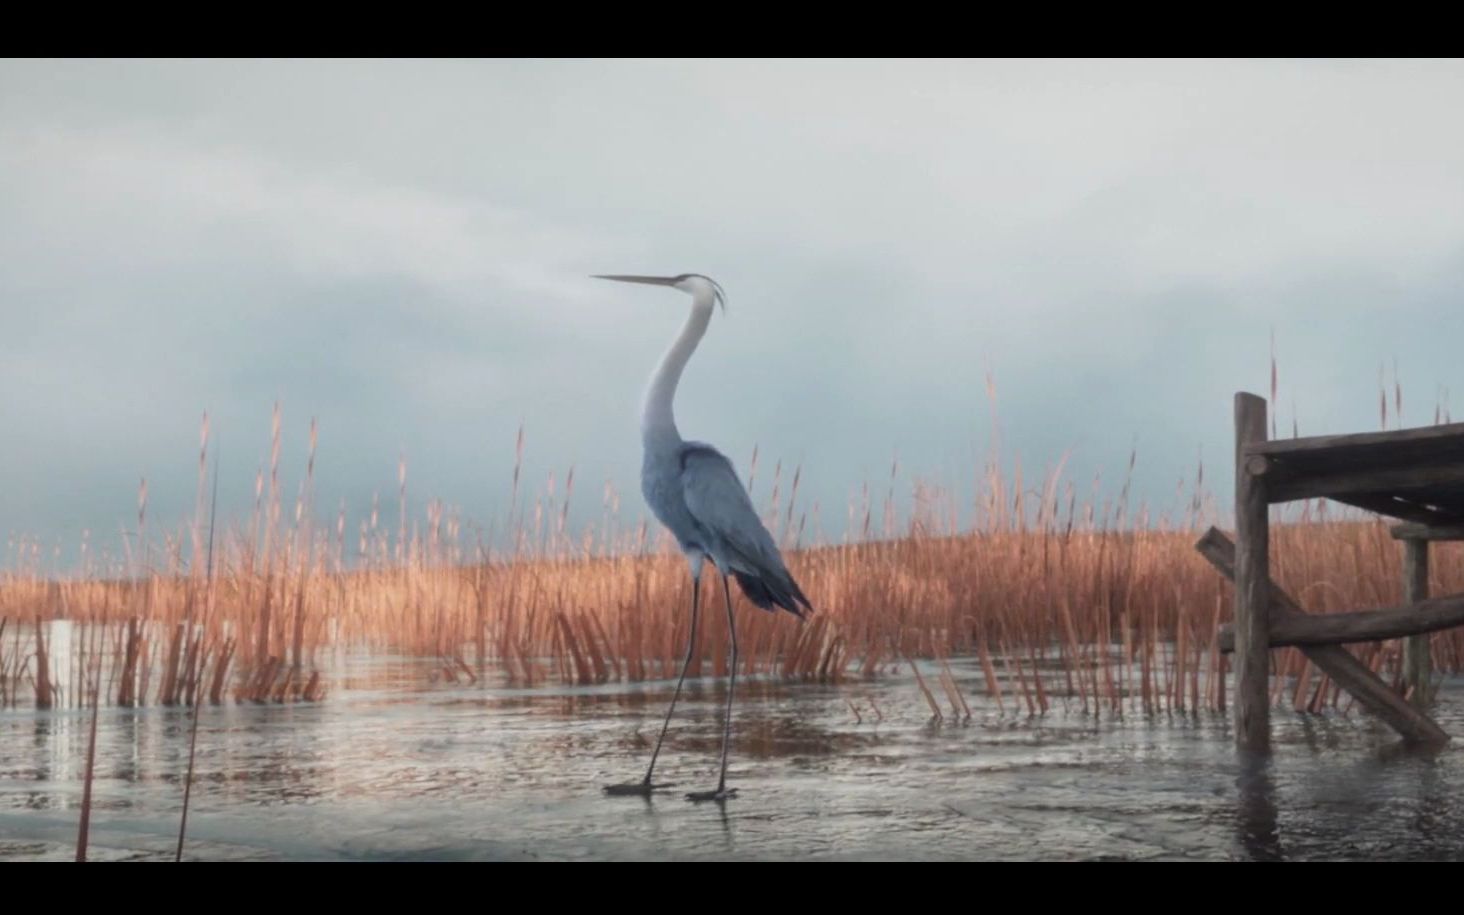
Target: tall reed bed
<point>1060,597</point>
<point>1065,606</point>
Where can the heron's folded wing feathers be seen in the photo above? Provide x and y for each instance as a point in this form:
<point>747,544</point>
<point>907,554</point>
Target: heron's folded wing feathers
<point>718,501</point>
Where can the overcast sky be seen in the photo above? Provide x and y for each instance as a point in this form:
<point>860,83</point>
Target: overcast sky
<point>402,250</point>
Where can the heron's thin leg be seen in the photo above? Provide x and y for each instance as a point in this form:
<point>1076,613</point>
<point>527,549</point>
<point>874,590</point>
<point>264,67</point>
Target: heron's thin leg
<point>731,686</point>
<point>685,665</point>
<point>721,794</point>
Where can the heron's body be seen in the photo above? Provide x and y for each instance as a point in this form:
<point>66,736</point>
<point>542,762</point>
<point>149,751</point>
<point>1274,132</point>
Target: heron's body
<point>693,489</point>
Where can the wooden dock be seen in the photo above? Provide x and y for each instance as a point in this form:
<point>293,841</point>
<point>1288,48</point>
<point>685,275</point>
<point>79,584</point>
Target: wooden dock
<point>1415,476</point>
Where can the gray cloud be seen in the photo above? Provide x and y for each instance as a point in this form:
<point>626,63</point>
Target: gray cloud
<point>402,249</point>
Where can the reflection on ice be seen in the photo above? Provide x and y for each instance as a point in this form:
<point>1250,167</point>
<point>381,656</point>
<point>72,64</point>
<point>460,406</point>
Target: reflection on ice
<point>391,768</point>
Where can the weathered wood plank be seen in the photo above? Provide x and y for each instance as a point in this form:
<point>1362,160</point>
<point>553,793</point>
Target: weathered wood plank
<point>1406,511</point>
<point>1219,551</point>
<point>1430,436</point>
<point>1334,660</point>
<point>1360,625</point>
<point>1252,583</point>
<point>1416,666</point>
<point>1383,480</point>
<point>1428,532</point>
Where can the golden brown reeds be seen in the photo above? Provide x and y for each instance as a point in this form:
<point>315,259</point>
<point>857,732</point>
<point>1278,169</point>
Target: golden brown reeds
<point>1055,598</point>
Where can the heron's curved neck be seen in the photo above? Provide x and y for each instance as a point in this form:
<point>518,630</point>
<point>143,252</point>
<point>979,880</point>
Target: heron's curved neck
<point>658,424</point>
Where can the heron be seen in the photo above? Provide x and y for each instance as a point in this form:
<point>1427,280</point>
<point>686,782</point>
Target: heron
<point>693,489</point>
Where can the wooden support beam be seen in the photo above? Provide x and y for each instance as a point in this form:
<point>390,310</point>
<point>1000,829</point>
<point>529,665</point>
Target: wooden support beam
<point>1219,551</point>
<point>1428,532</point>
<point>1286,483</point>
<point>1451,435</point>
<point>1333,660</point>
<point>1312,485</point>
<point>1252,583</point>
<point>1416,666</point>
<point>1361,625</point>
<point>1400,508</point>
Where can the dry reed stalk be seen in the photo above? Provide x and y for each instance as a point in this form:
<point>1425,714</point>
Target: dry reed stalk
<point>4,663</point>
<point>312,689</point>
<point>170,669</point>
<point>605,646</point>
<point>1038,691</point>
<point>221,670</point>
<point>956,689</point>
<point>84,826</point>
<point>1301,695</point>
<point>126,692</point>
<point>831,661</point>
<point>993,688</point>
<point>462,665</point>
<point>950,693</point>
<point>592,647</point>
<point>581,667</point>
<point>1319,695</point>
<point>264,679</point>
<point>42,675</point>
<point>1021,682</point>
<point>284,688</point>
<point>925,690</point>
<point>1180,657</point>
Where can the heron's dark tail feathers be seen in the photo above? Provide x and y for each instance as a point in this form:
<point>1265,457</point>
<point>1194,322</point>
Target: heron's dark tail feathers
<point>768,592</point>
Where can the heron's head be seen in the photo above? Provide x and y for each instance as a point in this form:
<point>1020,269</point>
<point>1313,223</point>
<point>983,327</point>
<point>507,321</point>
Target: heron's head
<point>701,288</point>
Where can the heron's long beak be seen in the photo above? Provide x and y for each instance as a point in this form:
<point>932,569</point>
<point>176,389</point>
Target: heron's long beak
<point>650,280</point>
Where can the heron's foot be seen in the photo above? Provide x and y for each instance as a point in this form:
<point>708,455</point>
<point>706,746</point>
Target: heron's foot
<point>635,789</point>
<point>720,795</point>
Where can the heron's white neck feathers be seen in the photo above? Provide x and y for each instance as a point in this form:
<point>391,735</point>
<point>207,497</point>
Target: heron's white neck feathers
<point>658,424</point>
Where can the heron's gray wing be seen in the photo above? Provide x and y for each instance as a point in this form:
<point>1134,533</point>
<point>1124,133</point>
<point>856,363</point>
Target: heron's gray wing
<point>719,503</point>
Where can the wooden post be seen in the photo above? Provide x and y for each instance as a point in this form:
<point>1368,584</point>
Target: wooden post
<point>1415,651</point>
<point>1252,583</point>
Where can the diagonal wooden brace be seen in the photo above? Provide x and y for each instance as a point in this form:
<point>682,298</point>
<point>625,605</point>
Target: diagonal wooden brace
<point>1354,676</point>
